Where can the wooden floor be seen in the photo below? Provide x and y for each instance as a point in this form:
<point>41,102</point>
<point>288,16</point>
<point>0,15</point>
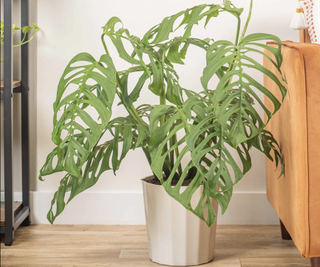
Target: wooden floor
<point>73,246</point>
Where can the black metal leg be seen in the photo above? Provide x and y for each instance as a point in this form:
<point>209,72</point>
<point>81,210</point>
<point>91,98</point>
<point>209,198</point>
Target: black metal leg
<point>1,96</point>
<point>13,221</point>
<point>7,100</point>
<point>25,113</point>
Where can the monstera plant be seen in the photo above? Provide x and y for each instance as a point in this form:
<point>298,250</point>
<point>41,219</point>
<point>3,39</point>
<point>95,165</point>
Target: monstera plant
<point>199,137</point>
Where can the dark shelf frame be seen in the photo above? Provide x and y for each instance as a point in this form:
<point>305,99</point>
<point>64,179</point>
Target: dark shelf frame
<point>12,222</point>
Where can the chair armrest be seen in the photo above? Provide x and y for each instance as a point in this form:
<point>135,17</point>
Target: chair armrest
<point>295,196</point>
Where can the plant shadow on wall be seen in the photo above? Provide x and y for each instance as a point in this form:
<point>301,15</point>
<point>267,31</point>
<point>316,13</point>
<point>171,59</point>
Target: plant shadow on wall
<point>202,129</point>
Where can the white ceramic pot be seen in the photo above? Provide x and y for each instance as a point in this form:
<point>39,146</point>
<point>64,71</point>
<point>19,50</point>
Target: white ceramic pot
<point>176,236</point>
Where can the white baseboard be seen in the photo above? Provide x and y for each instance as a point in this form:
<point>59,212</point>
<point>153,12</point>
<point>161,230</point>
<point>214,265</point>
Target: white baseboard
<point>92,208</point>
<point>249,208</point>
<point>100,208</point>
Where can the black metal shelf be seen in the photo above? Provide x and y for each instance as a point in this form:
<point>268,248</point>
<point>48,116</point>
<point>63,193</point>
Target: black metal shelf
<point>14,219</point>
<point>16,87</point>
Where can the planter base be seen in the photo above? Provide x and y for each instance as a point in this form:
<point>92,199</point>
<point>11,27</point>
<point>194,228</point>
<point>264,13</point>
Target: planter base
<point>176,236</point>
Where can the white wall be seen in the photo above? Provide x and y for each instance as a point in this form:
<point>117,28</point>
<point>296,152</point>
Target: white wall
<point>73,26</point>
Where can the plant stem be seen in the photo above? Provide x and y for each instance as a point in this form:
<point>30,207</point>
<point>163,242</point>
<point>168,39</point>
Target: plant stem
<point>163,99</point>
<point>237,43</point>
<point>247,22</point>
<point>104,45</point>
<point>238,31</point>
<point>163,102</point>
<point>177,155</point>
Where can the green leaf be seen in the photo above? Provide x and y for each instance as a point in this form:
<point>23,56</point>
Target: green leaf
<point>69,116</point>
<point>207,140</point>
<point>102,158</point>
<point>124,90</point>
<point>160,136</point>
<point>236,87</point>
<point>232,9</point>
<point>35,27</point>
<point>134,95</point>
<point>165,28</point>
<point>191,17</point>
<point>173,53</point>
<point>204,138</point>
<point>213,14</point>
<point>118,43</point>
<point>266,143</point>
<point>26,29</point>
<point>110,25</point>
<point>174,93</point>
<point>129,98</point>
<point>157,86</point>
<point>48,167</point>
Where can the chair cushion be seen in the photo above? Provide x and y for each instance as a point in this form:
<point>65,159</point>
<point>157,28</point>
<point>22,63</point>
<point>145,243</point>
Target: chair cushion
<point>296,195</point>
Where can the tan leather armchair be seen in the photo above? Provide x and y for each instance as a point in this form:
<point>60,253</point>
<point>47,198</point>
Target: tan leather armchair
<point>296,195</point>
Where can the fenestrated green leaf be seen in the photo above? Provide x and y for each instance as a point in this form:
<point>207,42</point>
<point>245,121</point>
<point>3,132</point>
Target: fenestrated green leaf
<point>111,23</point>
<point>204,138</point>
<point>174,92</point>
<point>165,28</point>
<point>160,136</point>
<point>213,14</point>
<point>118,43</point>
<point>207,143</point>
<point>103,157</point>
<point>48,167</point>
<point>230,101</point>
<point>251,39</point>
<point>266,143</point>
<point>191,17</point>
<point>157,86</point>
<point>58,199</point>
<point>124,90</point>
<point>70,119</point>
<point>128,98</point>
<point>134,95</point>
<point>232,9</point>
<point>194,18</point>
<point>173,53</point>
<point>117,37</point>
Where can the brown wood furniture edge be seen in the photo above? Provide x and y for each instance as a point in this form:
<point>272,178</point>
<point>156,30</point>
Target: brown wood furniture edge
<point>17,206</point>
<point>15,84</point>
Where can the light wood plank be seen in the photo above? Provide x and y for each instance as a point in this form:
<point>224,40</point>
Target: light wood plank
<point>271,262</point>
<point>259,253</point>
<point>15,84</point>
<point>221,261</point>
<point>134,254</point>
<point>77,246</point>
<point>62,253</point>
